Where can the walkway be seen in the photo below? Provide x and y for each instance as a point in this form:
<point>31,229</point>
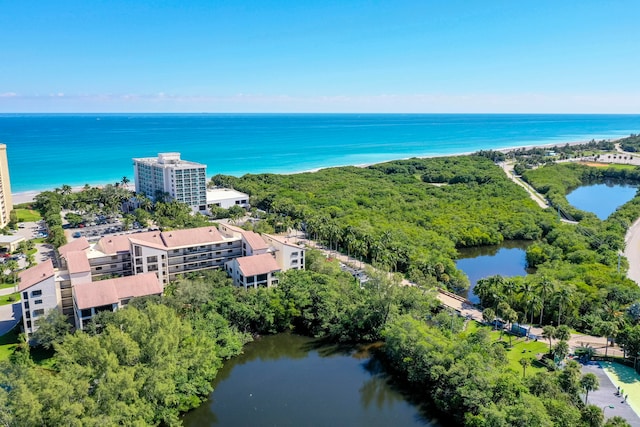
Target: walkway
<point>507,167</point>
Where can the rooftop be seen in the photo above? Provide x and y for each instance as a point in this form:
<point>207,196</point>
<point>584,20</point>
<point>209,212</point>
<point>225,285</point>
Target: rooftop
<point>35,275</point>
<point>77,262</point>
<point>80,244</point>
<point>191,237</point>
<point>105,292</point>
<point>11,239</point>
<point>255,240</point>
<point>225,193</point>
<point>168,160</point>
<point>257,264</point>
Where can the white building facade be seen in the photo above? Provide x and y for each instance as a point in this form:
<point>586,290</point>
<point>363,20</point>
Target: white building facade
<point>183,181</point>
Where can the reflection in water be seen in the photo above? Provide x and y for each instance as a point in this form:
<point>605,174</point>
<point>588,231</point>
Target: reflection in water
<point>292,380</point>
<point>604,198</point>
<point>508,259</point>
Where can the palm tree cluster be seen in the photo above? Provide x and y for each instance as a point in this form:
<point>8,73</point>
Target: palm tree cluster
<point>529,297</point>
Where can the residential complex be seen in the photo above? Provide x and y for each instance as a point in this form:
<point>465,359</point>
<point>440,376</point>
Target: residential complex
<point>105,275</point>
<point>6,203</point>
<point>182,180</point>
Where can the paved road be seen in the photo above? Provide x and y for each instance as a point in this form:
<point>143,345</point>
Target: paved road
<point>507,167</point>
<point>605,396</point>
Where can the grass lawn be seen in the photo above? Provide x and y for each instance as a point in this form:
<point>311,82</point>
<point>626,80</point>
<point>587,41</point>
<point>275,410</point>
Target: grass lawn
<point>6,285</point>
<point>521,348</point>
<point>28,215</point>
<point>39,240</point>
<point>8,343</point>
<point>9,299</point>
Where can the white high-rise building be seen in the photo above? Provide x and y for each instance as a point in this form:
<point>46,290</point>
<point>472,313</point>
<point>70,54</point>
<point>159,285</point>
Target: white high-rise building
<point>182,180</point>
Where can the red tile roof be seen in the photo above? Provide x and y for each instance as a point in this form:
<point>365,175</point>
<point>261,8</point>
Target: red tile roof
<point>191,237</point>
<point>255,240</point>
<point>257,264</point>
<point>80,244</point>
<point>35,275</point>
<point>112,245</point>
<point>77,262</point>
<point>104,292</point>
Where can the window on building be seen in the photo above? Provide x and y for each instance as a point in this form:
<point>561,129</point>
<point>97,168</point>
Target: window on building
<point>85,313</point>
<point>25,295</point>
<point>98,268</point>
<point>36,293</point>
<point>125,301</point>
<point>28,323</point>
<point>152,259</point>
<point>38,301</point>
<point>38,312</point>
<point>27,314</point>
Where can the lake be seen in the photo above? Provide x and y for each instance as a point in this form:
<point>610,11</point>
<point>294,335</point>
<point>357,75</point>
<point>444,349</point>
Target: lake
<point>290,380</point>
<point>602,199</point>
<point>508,259</point>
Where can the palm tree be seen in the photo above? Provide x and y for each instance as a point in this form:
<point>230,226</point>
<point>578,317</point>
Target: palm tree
<point>589,382</point>
<point>534,304</point>
<point>562,333</point>
<point>13,267</point>
<point>563,298</point>
<point>561,350</point>
<point>608,329</point>
<point>549,332</point>
<point>593,416</point>
<point>545,287</point>
<point>488,315</point>
<point>125,181</point>
<point>510,288</point>
<point>510,316</point>
<point>525,362</point>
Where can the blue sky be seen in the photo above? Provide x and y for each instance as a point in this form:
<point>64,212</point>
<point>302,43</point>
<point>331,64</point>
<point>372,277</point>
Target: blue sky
<point>320,56</point>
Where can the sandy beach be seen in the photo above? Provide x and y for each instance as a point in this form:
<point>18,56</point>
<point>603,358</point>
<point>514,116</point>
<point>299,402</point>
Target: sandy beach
<point>29,196</point>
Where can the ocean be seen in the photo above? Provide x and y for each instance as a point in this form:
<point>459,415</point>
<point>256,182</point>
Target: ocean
<point>49,150</point>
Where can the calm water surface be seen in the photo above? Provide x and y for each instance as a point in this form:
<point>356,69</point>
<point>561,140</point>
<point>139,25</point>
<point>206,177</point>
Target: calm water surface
<point>508,259</point>
<point>602,199</point>
<point>289,380</point>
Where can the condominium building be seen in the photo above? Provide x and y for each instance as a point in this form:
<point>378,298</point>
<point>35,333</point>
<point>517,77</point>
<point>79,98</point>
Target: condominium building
<point>6,202</point>
<point>105,275</point>
<point>181,180</point>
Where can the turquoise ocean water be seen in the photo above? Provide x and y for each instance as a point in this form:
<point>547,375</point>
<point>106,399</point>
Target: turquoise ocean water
<point>47,151</point>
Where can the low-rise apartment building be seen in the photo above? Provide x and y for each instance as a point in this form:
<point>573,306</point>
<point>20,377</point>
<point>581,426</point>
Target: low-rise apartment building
<point>109,295</point>
<point>117,268</point>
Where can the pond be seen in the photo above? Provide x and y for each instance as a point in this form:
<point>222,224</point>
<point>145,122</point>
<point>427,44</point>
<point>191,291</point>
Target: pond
<point>508,259</point>
<point>602,199</point>
<point>290,380</point>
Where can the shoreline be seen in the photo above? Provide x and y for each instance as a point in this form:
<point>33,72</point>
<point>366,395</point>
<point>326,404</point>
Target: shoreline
<point>28,196</point>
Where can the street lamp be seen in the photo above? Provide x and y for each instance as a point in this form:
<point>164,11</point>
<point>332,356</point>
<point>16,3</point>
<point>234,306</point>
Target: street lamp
<point>605,407</point>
